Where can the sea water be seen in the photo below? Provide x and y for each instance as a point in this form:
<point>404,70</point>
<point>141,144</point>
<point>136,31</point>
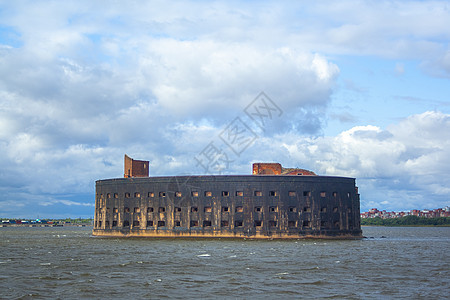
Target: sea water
<point>69,263</point>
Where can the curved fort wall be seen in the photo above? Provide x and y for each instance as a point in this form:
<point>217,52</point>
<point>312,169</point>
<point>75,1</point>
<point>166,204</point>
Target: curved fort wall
<point>257,206</point>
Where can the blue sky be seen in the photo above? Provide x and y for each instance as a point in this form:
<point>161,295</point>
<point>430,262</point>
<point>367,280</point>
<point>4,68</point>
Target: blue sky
<point>362,87</point>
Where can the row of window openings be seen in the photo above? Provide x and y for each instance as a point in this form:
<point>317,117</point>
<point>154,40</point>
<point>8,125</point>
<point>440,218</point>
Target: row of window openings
<point>224,194</point>
<point>238,209</point>
<point>193,223</point>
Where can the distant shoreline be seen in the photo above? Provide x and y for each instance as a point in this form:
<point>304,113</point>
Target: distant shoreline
<point>409,221</point>
<point>45,225</point>
<point>446,225</point>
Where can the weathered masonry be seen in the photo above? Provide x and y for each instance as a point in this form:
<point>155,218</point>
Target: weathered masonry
<point>255,206</point>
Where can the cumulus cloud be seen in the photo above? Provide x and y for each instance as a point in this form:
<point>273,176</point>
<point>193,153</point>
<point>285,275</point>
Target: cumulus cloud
<point>81,84</point>
<point>406,162</point>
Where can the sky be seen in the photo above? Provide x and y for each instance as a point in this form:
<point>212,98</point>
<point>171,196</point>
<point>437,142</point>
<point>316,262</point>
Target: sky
<point>344,88</point>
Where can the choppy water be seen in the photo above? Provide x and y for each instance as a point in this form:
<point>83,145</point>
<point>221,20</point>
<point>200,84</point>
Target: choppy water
<point>69,263</point>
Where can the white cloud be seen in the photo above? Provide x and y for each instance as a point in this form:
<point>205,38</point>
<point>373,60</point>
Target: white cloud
<point>408,156</point>
<point>86,84</point>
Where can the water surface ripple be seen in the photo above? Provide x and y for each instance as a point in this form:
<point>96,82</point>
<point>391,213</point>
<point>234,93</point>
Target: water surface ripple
<point>69,263</point>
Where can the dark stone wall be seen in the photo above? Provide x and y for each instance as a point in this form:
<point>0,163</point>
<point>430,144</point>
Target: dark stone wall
<point>251,206</point>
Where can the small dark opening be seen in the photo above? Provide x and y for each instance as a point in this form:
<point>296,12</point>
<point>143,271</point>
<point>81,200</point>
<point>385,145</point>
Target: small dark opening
<point>206,223</point>
<point>272,223</point>
<point>161,223</point>
<point>258,223</point>
<point>224,224</point>
<point>194,223</point>
<point>149,223</point>
<point>238,223</point>
<point>126,223</point>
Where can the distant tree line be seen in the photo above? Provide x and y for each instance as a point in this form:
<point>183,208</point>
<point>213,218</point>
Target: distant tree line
<point>407,221</point>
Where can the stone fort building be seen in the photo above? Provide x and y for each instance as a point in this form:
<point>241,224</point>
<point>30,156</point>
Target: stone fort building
<point>273,202</point>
